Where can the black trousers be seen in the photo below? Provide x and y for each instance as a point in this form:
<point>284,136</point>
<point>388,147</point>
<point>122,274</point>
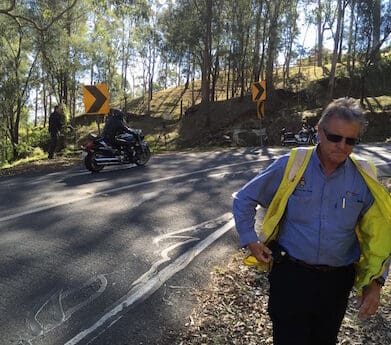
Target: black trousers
<point>53,144</point>
<point>307,306</point>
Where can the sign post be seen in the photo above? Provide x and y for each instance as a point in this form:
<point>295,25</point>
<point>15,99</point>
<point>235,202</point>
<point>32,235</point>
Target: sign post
<point>258,92</point>
<point>96,99</point>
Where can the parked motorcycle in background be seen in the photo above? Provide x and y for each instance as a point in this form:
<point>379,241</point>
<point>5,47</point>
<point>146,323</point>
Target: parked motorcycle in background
<point>306,136</point>
<point>132,150</point>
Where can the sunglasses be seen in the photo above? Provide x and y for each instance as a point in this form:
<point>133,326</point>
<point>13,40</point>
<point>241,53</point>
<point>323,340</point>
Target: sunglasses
<point>338,138</point>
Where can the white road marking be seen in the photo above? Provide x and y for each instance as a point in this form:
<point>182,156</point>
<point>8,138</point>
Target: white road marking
<point>146,285</point>
<point>55,305</point>
<point>113,190</point>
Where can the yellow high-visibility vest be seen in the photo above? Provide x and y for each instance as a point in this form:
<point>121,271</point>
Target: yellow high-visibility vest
<point>373,230</point>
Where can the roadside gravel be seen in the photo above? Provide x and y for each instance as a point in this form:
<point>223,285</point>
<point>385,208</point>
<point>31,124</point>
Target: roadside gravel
<point>44,165</point>
<point>233,310</point>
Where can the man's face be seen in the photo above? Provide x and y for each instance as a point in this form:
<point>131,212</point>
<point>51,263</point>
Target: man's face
<point>332,150</point>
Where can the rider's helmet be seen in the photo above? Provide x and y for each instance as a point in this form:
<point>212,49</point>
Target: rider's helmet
<point>117,113</point>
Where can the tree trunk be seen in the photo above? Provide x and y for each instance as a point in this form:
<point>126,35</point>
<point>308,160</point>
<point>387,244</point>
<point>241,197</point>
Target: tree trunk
<point>335,52</point>
<point>215,74</point>
<point>178,79</point>
<point>341,33</point>
<point>319,26</point>
<point>245,41</point>
<point>45,103</point>
<point>376,28</point>
<point>206,58</point>
<point>351,35</point>
<point>273,43</point>
<point>229,73</point>
<point>257,42</point>
<point>151,72</point>
<point>36,107</point>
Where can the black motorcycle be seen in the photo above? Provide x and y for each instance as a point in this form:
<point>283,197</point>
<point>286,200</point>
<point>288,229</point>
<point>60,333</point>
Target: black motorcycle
<point>306,136</point>
<point>131,149</point>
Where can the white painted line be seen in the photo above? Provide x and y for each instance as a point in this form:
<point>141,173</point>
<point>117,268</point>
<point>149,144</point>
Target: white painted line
<point>89,196</point>
<point>142,291</point>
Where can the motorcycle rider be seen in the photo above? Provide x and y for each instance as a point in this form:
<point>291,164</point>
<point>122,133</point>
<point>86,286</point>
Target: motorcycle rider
<point>115,125</point>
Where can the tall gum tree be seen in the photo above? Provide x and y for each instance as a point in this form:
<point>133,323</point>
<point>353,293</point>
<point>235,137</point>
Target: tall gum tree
<point>274,10</point>
<point>21,57</point>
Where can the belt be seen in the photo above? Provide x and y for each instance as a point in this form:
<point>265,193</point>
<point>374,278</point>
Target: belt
<point>280,254</point>
<point>320,268</point>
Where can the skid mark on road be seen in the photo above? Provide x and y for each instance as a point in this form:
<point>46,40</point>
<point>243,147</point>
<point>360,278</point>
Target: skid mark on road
<point>182,239</point>
<point>60,306</point>
<point>152,280</point>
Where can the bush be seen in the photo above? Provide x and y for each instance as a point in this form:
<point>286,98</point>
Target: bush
<point>39,137</point>
<point>24,150</point>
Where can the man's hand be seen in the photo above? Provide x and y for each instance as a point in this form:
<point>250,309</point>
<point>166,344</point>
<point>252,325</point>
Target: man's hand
<point>369,301</point>
<point>260,251</point>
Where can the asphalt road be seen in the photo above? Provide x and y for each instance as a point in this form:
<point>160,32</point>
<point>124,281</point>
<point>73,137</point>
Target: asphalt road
<point>117,257</point>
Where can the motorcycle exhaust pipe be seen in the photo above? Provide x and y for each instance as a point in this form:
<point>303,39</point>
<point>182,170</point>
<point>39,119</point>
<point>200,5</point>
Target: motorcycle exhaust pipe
<point>106,161</point>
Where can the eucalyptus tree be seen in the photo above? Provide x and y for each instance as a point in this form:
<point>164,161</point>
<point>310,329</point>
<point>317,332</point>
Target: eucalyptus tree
<point>371,35</point>
<point>188,32</point>
<point>337,37</point>
<point>130,17</point>
<point>240,31</point>
<point>275,33</point>
<point>178,41</point>
<point>147,38</point>
<point>17,70</point>
<point>62,51</point>
<point>24,25</point>
<point>376,15</point>
<point>259,38</point>
<point>205,10</point>
<point>19,59</point>
<point>274,10</point>
<point>289,33</point>
<point>352,37</point>
<point>105,38</point>
<point>321,13</point>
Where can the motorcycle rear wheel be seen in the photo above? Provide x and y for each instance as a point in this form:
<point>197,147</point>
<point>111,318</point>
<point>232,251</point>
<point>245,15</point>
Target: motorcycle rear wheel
<point>90,163</point>
<point>142,156</point>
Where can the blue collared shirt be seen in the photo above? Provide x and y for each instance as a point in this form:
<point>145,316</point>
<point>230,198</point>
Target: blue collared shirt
<point>319,222</point>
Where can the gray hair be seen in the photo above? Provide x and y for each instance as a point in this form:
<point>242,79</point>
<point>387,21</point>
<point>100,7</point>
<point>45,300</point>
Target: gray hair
<point>345,109</point>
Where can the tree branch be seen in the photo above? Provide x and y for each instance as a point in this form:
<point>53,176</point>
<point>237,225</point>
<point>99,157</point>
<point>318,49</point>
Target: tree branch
<point>14,16</point>
<point>10,8</point>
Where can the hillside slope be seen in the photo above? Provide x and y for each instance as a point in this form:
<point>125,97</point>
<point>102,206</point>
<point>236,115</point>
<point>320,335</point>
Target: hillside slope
<point>212,123</point>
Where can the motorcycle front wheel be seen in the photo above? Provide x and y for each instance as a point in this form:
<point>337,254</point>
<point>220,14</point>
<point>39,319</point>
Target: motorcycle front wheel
<point>90,163</point>
<point>143,155</point>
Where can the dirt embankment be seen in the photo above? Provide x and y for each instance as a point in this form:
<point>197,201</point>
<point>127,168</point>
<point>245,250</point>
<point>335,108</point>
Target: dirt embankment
<point>210,124</point>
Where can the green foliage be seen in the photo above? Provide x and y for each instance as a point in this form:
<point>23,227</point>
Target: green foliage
<point>38,137</point>
<point>24,150</point>
<point>35,155</point>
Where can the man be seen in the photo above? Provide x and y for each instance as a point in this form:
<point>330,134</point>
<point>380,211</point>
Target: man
<point>327,227</point>
<point>114,126</point>
<point>55,126</point>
